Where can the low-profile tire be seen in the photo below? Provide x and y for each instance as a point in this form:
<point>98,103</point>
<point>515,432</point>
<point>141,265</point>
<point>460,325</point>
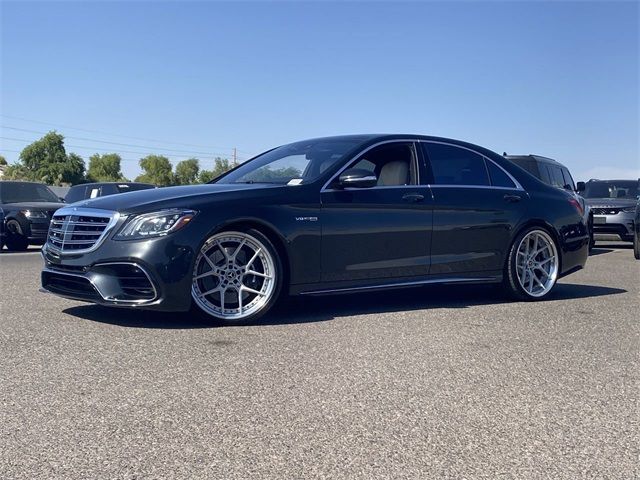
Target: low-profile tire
<point>532,266</point>
<point>237,277</point>
<point>636,246</point>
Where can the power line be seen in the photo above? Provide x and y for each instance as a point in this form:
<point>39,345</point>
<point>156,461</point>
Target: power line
<point>92,148</point>
<point>114,143</point>
<point>115,134</point>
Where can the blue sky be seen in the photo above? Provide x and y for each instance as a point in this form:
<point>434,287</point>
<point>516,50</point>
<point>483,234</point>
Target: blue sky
<point>557,79</point>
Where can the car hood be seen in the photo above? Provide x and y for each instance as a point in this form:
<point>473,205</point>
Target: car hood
<point>166,197</point>
<point>611,202</point>
<point>43,206</point>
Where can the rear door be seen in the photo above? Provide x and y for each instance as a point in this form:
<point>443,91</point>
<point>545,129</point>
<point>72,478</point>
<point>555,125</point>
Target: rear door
<point>476,205</point>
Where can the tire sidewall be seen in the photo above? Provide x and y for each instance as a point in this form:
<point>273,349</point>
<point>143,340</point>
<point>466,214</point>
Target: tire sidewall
<point>278,287</point>
<point>511,281</point>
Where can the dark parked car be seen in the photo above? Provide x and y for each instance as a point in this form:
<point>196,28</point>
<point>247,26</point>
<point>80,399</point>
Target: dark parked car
<point>553,173</point>
<point>27,208</point>
<point>337,214</point>
<point>93,190</point>
<point>613,204</point>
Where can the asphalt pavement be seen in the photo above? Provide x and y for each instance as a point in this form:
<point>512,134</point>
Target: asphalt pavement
<point>425,383</point>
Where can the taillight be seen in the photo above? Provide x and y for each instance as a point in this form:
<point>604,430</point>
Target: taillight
<point>577,205</point>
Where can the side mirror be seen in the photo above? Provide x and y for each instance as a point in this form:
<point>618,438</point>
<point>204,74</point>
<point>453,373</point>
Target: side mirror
<point>357,178</point>
<point>581,186</point>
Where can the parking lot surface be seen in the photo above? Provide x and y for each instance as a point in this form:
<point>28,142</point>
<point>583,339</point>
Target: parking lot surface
<point>447,382</point>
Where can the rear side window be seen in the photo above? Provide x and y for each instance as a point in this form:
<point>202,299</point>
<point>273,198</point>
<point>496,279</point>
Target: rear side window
<point>456,166</point>
<point>555,176</point>
<point>498,177</point>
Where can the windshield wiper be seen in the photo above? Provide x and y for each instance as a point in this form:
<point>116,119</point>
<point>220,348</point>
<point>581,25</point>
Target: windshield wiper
<point>257,181</point>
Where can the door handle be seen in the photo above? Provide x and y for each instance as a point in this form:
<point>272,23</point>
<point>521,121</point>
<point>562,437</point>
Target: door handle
<point>413,197</point>
<point>512,198</point>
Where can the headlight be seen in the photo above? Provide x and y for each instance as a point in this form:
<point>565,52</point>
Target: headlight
<point>34,214</point>
<point>155,224</point>
<point>629,209</point>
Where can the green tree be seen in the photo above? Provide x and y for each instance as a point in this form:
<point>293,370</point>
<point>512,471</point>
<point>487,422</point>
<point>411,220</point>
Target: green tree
<point>206,176</point>
<point>105,168</point>
<point>187,171</point>
<point>73,170</point>
<point>16,172</point>
<point>46,160</point>
<point>3,161</point>
<point>220,166</point>
<point>156,170</point>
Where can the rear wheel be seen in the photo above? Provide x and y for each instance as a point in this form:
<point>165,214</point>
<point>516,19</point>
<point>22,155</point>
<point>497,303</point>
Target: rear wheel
<point>532,266</point>
<point>237,277</point>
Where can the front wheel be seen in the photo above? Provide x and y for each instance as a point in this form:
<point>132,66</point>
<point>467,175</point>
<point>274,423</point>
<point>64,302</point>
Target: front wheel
<point>636,246</point>
<point>532,266</point>
<point>237,277</point>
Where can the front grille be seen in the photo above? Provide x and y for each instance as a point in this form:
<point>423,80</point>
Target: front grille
<point>77,231</point>
<point>606,210</point>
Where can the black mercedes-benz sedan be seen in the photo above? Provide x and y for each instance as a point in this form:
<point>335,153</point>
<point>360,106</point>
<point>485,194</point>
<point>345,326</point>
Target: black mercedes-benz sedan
<point>322,216</point>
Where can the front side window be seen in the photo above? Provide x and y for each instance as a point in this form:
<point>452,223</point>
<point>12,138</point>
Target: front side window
<point>296,163</point>
<point>453,165</point>
<point>568,179</point>
<point>75,194</point>
<point>393,164</point>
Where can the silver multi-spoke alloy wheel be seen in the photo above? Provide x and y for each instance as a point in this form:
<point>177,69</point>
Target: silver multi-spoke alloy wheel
<point>537,263</point>
<point>234,276</point>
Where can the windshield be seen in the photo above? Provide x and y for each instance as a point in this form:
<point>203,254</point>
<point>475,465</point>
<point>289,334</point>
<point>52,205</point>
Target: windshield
<point>612,189</point>
<point>15,192</point>
<point>292,164</point>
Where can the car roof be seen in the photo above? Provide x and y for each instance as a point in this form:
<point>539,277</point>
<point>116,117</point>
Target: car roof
<point>614,180</point>
<point>23,181</point>
<point>373,138</point>
<point>538,158</point>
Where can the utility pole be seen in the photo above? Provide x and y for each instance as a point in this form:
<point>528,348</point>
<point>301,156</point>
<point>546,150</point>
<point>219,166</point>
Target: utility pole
<point>235,156</point>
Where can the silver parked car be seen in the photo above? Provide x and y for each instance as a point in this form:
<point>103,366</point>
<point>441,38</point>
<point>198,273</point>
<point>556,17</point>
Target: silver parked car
<point>613,204</point>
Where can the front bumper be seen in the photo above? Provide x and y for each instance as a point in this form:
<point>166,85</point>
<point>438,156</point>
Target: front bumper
<point>621,225</point>
<point>151,274</point>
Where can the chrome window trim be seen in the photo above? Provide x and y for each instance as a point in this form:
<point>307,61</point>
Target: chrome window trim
<point>516,183</point>
<point>89,212</point>
<point>359,156</point>
<point>104,297</point>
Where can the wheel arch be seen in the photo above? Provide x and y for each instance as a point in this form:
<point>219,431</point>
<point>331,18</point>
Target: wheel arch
<point>268,230</point>
<point>537,222</point>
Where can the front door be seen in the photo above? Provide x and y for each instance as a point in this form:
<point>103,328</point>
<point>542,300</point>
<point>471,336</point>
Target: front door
<point>381,232</point>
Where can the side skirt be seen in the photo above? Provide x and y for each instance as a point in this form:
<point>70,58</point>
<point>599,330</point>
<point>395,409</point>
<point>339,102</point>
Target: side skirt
<point>401,284</point>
